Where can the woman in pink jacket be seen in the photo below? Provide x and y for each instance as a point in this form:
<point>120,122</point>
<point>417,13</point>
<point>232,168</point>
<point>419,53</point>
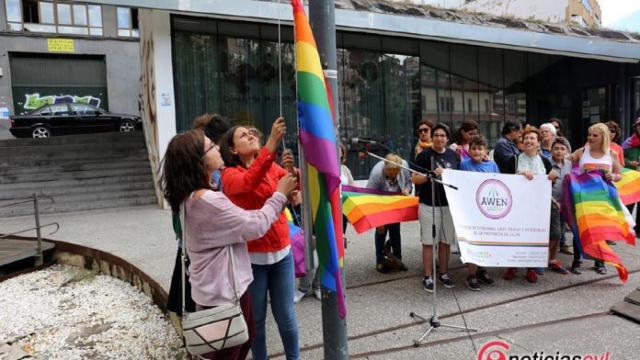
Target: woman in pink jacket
<point>213,222</point>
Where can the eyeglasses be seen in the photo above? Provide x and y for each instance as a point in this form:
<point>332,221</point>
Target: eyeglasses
<point>424,130</point>
<point>213,146</point>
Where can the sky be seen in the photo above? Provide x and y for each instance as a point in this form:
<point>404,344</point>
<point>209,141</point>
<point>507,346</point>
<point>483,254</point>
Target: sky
<point>621,14</point>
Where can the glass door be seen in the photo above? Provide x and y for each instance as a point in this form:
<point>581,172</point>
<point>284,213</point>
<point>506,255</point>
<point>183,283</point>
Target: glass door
<point>635,98</point>
<point>595,105</point>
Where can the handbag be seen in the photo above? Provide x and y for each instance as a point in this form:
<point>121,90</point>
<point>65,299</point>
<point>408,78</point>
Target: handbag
<point>217,328</point>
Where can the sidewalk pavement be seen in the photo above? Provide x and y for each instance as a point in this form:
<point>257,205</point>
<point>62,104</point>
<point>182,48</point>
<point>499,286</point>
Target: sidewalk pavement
<point>560,315</point>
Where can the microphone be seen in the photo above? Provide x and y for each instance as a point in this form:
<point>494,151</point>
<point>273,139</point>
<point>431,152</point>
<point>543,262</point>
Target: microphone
<point>357,140</point>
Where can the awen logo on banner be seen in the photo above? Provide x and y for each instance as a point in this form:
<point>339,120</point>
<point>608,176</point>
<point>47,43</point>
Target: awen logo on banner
<point>500,220</point>
<point>494,199</point>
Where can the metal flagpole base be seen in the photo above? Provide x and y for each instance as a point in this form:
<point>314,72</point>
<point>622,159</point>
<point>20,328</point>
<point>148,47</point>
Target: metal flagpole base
<point>434,323</point>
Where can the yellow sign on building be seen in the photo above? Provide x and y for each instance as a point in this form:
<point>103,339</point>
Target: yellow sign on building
<point>60,45</point>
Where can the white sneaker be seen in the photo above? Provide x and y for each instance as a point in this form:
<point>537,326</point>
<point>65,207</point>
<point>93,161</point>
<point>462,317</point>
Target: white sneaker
<point>317,293</point>
<point>298,295</point>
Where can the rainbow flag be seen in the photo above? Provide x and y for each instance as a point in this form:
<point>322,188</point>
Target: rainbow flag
<point>593,209</point>
<point>318,139</point>
<point>629,186</point>
<point>296,236</point>
<point>367,208</point>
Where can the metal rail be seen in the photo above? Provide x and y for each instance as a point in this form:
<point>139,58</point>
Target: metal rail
<point>36,213</point>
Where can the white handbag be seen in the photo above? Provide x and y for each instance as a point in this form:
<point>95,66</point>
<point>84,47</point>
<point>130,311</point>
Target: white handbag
<point>216,328</point>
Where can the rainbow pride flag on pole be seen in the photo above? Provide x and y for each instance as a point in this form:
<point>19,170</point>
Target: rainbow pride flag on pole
<point>318,139</point>
<point>367,208</point>
<point>593,208</point>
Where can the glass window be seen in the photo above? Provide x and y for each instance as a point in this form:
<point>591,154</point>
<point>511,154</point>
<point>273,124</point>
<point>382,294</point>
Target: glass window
<point>45,110</point>
<point>490,92</point>
<point>435,82</point>
<point>636,98</point>
<point>401,83</point>
<point>95,16</point>
<point>53,16</point>
<point>134,18</point>
<point>40,28</point>
<point>124,18</point>
<point>30,11</point>
<point>46,13</point>
<point>515,77</point>
<point>83,109</point>
<point>64,14</point>
<point>73,30</point>
<point>59,109</point>
<point>198,58</point>
<point>124,32</point>
<point>80,15</point>
<point>14,13</point>
<point>429,89</point>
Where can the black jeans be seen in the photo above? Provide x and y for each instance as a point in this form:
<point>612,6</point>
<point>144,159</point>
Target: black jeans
<point>394,239</point>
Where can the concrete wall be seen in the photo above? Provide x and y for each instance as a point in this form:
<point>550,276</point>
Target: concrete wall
<point>122,57</point>
<point>156,87</point>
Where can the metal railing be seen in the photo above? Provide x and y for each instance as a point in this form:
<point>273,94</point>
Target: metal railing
<point>36,212</point>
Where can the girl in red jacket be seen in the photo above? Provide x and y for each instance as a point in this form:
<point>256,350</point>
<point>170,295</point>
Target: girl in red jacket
<point>249,179</point>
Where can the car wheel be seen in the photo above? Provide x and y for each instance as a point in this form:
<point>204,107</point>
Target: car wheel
<point>127,126</point>
<point>40,132</point>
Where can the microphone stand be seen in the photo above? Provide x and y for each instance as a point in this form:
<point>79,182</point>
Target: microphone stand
<point>428,173</point>
<point>434,322</point>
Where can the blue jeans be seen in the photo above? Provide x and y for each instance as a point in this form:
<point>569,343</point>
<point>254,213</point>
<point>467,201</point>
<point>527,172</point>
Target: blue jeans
<point>279,280</point>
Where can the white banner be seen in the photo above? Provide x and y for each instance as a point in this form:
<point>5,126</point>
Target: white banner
<point>500,220</point>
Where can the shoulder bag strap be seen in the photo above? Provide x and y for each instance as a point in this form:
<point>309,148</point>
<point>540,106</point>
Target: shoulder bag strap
<point>183,252</point>
<point>233,272</point>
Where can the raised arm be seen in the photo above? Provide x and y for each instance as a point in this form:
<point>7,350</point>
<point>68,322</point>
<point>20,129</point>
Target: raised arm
<point>237,181</point>
<point>244,225</point>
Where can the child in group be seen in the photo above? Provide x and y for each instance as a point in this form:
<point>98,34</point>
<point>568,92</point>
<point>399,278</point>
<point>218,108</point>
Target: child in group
<point>476,162</point>
<point>559,150</point>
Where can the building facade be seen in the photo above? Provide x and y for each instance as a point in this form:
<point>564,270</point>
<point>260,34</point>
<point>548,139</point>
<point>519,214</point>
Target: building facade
<point>397,64</point>
<point>388,81</point>
<point>61,51</point>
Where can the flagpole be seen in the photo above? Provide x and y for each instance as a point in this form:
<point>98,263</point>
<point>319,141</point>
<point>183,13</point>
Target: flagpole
<point>322,20</point>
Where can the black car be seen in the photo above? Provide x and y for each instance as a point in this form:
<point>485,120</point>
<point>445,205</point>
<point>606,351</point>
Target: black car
<point>71,118</point>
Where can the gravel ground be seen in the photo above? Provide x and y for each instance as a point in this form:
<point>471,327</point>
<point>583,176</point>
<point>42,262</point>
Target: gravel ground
<point>69,313</point>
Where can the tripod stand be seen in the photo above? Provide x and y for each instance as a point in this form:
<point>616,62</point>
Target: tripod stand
<point>434,322</point>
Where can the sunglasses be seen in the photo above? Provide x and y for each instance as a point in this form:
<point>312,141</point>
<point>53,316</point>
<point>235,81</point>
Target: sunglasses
<point>424,130</point>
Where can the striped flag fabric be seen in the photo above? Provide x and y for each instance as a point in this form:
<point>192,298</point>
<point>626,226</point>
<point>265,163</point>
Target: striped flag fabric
<point>593,208</point>
<point>368,208</point>
<point>629,186</point>
<point>318,139</point>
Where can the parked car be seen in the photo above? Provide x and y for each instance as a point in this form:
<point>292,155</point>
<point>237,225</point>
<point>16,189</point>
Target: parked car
<point>71,118</point>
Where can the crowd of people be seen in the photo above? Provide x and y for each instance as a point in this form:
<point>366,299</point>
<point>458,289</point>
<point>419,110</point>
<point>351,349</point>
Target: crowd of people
<point>233,189</point>
<point>522,149</point>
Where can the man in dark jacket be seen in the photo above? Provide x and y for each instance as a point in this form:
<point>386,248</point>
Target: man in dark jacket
<point>506,147</point>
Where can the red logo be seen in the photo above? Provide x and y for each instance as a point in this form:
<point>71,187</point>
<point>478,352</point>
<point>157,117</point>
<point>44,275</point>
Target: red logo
<point>497,353</point>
